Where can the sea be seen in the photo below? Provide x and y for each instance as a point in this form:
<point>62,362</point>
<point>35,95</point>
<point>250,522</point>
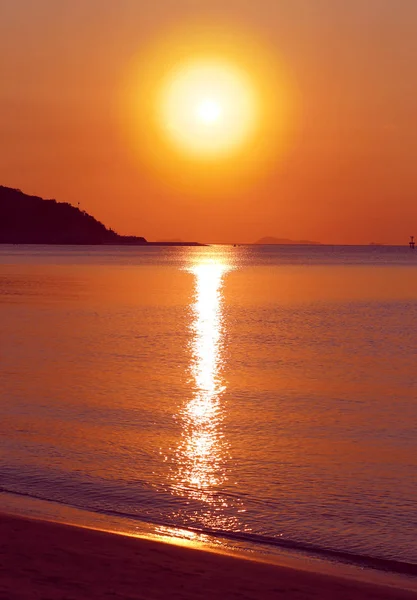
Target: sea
<point>261,399</point>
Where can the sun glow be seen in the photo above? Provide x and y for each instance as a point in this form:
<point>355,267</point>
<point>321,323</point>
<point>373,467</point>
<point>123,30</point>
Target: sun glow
<point>207,96</point>
<point>208,108</point>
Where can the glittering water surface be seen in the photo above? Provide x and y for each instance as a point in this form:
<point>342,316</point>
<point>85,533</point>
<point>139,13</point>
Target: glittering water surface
<point>203,449</point>
<point>263,393</point>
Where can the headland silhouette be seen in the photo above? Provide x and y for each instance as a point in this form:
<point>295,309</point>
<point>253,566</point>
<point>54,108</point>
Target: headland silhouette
<point>26,219</point>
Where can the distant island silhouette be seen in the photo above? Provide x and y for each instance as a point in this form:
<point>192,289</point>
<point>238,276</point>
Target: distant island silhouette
<point>28,219</point>
<point>272,241</point>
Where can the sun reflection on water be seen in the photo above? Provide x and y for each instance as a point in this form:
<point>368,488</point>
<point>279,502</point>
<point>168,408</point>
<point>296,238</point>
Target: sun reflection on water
<point>203,450</point>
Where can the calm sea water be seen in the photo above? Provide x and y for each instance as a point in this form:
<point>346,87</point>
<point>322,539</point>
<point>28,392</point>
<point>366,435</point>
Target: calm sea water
<point>264,394</point>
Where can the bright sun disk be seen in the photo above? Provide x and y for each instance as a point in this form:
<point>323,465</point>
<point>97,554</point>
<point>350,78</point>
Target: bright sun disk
<point>208,111</point>
<point>208,108</point>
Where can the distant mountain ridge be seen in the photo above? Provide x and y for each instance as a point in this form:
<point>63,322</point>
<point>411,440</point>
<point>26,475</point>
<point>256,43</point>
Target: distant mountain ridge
<point>272,241</point>
<point>28,219</point>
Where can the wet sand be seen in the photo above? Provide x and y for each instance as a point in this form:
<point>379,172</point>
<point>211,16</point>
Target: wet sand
<point>50,561</point>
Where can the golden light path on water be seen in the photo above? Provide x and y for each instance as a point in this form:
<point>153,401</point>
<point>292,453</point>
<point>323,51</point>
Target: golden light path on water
<point>202,469</point>
<point>203,450</point>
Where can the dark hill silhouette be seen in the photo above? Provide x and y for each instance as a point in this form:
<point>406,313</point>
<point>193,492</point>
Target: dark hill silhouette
<point>272,241</point>
<point>32,220</point>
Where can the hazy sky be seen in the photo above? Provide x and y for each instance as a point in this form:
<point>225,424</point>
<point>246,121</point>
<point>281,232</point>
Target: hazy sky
<point>349,173</point>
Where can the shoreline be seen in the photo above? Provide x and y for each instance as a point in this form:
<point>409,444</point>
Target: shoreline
<point>369,571</point>
<point>42,559</point>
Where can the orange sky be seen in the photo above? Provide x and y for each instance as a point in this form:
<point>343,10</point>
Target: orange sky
<point>348,175</point>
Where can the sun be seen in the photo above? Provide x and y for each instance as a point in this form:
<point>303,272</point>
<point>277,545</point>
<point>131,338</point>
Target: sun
<point>208,111</point>
<point>208,108</point>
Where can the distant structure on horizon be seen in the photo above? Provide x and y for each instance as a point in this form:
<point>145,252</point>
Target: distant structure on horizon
<point>412,242</point>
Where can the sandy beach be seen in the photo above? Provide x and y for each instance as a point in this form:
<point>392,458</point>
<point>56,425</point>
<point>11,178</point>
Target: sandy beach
<point>50,561</point>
